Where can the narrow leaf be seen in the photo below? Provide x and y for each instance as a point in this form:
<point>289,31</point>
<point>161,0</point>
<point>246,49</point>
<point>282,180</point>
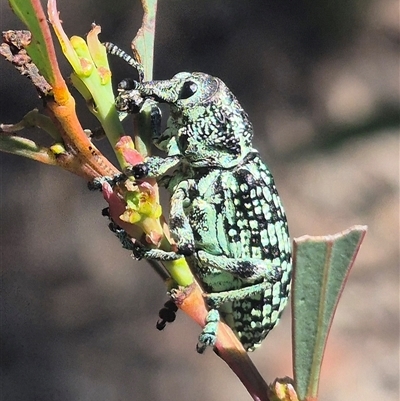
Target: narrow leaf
<point>143,43</point>
<point>25,147</point>
<point>321,267</point>
<point>30,120</point>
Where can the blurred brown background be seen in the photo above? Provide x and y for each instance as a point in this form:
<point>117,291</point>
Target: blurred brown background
<point>320,82</point>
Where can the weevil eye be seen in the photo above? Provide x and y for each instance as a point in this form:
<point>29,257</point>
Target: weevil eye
<point>189,88</point>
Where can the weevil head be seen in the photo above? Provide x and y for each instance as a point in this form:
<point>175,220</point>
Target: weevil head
<point>207,125</point>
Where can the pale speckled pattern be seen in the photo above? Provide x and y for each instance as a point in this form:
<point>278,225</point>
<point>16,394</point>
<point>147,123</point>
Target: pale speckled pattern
<point>226,214</point>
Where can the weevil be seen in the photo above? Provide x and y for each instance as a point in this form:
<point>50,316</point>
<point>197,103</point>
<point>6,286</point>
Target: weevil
<point>226,216</point>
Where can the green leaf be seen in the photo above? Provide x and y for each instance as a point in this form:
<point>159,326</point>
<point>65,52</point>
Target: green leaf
<point>321,267</point>
<point>144,40</point>
<point>27,148</point>
<point>143,45</point>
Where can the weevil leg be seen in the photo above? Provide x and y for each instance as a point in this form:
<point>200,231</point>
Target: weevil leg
<point>246,268</point>
<point>216,299</point>
<point>97,183</point>
<point>138,250</point>
<point>208,336</point>
<point>154,167</point>
<point>155,254</point>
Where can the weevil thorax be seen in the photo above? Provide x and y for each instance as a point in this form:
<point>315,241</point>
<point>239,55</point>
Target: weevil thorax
<point>207,125</point>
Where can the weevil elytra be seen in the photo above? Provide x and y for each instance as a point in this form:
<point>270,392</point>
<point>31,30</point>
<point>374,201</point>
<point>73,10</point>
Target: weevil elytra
<point>225,212</point>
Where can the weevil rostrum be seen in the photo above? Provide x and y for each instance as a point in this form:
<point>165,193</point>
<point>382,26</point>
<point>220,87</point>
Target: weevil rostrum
<point>225,212</point>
